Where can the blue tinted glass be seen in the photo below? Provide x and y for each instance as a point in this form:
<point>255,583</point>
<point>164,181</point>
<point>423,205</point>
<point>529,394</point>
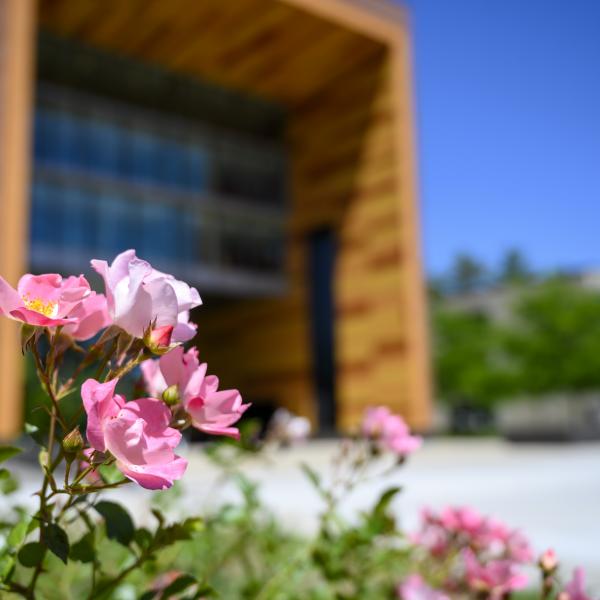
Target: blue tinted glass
<point>78,220</point>
<point>189,227</point>
<point>196,169</point>
<point>115,219</point>
<point>42,215</point>
<point>171,164</point>
<point>42,136</point>
<point>141,156</point>
<point>65,134</point>
<point>103,151</point>
<point>161,231</point>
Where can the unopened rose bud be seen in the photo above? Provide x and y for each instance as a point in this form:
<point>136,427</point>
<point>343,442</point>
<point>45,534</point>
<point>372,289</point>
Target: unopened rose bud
<point>158,340</point>
<point>548,562</point>
<point>73,442</point>
<point>171,395</point>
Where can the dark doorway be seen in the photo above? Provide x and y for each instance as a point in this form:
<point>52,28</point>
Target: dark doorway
<point>321,265</point>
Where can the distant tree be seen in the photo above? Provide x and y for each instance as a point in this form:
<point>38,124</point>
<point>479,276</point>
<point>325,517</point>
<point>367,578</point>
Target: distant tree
<point>466,273</point>
<point>468,363</point>
<point>555,341</point>
<point>514,268</point>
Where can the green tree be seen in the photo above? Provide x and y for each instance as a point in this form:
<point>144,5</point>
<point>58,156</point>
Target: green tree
<point>468,359</point>
<point>466,273</point>
<point>555,343</point>
<point>514,268</point>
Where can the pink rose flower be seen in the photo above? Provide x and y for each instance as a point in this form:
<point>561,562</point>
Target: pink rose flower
<point>496,577</point>
<point>390,431</point>
<point>462,519</point>
<point>414,588</point>
<point>576,587</point>
<point>136,433</point>
<point>139,296</point>
<point>43,300</point>
<point>92,316</point>
<point>212,410</point>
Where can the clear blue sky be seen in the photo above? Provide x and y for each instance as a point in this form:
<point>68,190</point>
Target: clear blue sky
<point>508,101</point>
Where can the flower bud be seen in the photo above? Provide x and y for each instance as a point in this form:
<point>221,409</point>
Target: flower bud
<point>171,395</point>
<point>73,442</point>
<point>548,562</point>
<point>158,340</point>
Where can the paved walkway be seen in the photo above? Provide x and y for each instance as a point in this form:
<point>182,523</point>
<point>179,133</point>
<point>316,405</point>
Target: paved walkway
<point>551,492</point>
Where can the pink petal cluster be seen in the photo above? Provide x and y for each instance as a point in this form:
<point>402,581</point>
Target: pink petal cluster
<point>139,296</point>
<point>211,410</point>
<point>44,300</point>
<point>485,553</point>
<point>91,316</point>
<point>497,578</point>
<point>415,588</point>
<point>136,433</point>
<point>575,589</point>
<point>468,526</point>
<point>389,431</point>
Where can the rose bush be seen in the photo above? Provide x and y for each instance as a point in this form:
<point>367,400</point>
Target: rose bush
<point>76,544</point>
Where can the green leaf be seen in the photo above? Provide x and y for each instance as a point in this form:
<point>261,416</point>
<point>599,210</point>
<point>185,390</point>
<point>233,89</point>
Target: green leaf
<point>178,532</point>
<point>385,499</point>
<point>8,484</point>
<point>110,473</point>
<point>312,475</point>
<point>119,525</point>
<point>32,554</point>
<point>7,452</point>
<point>7,566</point>
<point>143,538</point>
<point>149,595</point>
<point>83,550</point>
<point>179,585</point>
<point>18,533</point>
<point>57,541</point>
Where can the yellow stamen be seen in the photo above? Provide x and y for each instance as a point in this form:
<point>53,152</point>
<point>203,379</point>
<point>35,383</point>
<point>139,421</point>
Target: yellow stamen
<point>46,308</point>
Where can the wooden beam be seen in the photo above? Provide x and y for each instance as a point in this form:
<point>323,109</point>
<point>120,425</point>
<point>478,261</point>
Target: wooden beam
<point>413,284</point>
<point>380,20</point>
<point>16,83</point>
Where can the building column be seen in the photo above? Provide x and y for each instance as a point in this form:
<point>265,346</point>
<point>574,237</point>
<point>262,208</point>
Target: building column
<point>17,38</point>
<point>420,404</point>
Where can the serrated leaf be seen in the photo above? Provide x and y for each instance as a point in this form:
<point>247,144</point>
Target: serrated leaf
<point>143,538</point>
<point>7,565</point>
<point>110,474</point>
<point>119,525</point>
<point>83,550</point>
<point>178,532</point>
<point>385,499</point>
<point>18,533</point>
<point>312,475</point>
<point>32,554</point>
<point>179,585</point>
<point>57,541</point>
<point>8,483</point>
<point>7,452</point>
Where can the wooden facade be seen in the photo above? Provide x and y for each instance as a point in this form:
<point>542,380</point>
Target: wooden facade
<point>341,68</point>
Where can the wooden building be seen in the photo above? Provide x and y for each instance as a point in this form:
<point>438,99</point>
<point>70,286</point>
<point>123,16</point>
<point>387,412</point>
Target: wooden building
<point>339,322</point>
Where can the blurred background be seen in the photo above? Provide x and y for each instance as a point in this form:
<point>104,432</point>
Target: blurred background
<point>379,202</point>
